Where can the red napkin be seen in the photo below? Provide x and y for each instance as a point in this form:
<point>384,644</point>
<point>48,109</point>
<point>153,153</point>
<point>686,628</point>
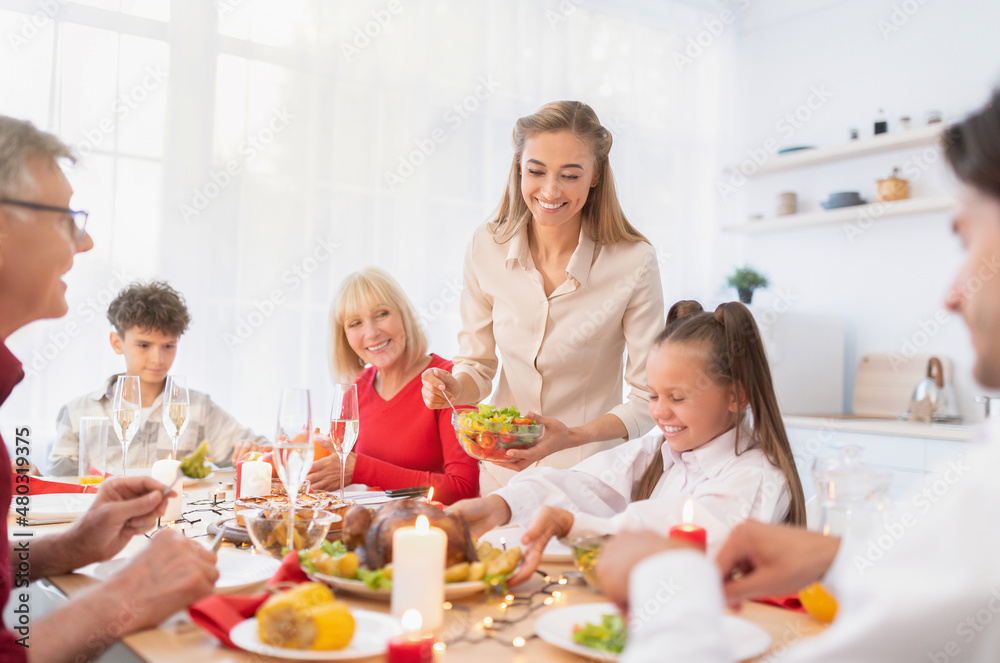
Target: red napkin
<point>789,602</point>
<point>39,486</point>
<point>218,614</point>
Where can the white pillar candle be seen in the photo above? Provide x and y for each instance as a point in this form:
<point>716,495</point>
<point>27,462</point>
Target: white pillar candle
<point>418,557</point>
<point>164,471</point>
<point>255,479</point>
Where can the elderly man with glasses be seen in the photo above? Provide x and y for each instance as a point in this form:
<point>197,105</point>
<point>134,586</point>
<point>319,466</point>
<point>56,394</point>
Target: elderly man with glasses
<point>39,237</point>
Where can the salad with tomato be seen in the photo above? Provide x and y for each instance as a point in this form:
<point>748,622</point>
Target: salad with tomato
<point>486,432</point>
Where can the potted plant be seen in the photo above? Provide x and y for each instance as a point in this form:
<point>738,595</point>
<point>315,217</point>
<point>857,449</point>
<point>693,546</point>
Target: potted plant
<point>746,280</point>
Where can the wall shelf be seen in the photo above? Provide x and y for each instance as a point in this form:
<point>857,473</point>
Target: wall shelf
<point>872,211</point>
<point>898,140</point>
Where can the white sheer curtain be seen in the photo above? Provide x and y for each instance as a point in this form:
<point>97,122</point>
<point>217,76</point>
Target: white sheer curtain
<point>254,152</point>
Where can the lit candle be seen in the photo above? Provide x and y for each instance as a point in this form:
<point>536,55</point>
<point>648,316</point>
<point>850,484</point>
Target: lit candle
<point>418,557</point>
<point>164,471</point>
<point>255,478</point>
<point>689,532</point>
<point>411,647</point>
<point>430,499</point>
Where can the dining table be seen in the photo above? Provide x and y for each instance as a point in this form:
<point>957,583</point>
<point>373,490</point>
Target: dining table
<point>481,628</point>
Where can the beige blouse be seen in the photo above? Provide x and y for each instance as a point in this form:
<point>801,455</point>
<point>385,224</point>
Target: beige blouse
<point>564,355</point>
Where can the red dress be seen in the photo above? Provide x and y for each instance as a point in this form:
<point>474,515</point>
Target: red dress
<point>10,374</point>
<point>402,444</point>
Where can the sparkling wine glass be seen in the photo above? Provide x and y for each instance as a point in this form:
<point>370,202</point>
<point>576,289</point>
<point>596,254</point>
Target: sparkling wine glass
<point>125,409</point>
<point>175,410</point>
<point>293,449</point>
<point>344,424</point>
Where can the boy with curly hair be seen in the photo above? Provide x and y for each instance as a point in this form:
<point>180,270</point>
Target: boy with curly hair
<point>148,319</point>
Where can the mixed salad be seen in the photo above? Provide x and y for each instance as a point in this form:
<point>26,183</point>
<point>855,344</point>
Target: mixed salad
<point>488,431</point>
<point>607,636</point>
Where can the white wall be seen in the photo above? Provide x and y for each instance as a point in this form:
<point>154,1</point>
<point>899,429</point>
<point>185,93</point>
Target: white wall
<point>225,69</point>
<point>906,58</point>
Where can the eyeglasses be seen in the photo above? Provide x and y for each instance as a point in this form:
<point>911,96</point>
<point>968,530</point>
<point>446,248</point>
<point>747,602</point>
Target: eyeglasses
<point>78,217</point>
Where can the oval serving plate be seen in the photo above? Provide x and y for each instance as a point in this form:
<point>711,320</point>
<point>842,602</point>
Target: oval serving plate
<point>452,590</point>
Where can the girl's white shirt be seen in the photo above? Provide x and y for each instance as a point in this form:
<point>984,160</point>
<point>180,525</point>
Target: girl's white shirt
<point>725,488</point>
<point>925,587</point>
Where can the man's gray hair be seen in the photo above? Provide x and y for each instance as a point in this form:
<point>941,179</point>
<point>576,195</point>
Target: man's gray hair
<point>21,141</point>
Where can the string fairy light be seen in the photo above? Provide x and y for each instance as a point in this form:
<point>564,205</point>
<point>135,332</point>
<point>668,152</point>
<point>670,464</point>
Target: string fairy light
<point>513,610</point>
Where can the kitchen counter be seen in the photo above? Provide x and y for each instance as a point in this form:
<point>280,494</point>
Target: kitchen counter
<point>853,424</point>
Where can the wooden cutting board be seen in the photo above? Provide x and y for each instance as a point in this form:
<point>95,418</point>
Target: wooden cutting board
<point>885,382</point>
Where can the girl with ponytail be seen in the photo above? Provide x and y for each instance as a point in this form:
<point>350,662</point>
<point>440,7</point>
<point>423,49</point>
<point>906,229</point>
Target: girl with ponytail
<point>720,443</point>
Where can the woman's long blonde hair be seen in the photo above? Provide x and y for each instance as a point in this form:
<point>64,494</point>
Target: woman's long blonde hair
<point>360,292</point>
<point>736,356</point>
<point>603,217</point>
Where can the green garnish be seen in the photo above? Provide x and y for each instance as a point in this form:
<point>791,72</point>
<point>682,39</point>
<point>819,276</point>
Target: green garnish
<point>608,636</point>
<point>333,548</point>
<point>306,563</point>
<point>375,580</point>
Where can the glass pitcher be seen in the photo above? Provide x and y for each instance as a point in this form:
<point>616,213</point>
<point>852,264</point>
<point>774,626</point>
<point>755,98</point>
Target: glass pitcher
<point>853,499</point>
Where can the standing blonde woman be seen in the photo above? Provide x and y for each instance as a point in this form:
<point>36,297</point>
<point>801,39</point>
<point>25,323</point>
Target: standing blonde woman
<point>376,342</point>
<point>562,285</point>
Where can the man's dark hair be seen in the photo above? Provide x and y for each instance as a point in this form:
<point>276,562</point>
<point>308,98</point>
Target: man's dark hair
<point>153,306</point>
<point>973,148</point>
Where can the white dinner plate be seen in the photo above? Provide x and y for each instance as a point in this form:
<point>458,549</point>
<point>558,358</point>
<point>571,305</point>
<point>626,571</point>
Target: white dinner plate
<point>58,506</point>
<point>555,551</point>
<point>452,590</point>
<point>238,570</point>
<point>372,631</point>
<point>556,628</point>
<point>366,497</point>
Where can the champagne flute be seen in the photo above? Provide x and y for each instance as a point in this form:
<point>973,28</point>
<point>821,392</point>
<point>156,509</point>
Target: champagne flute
<point>175,410</point>
<point>344,424</point>
<point>125,409</point>
<point>293,448</point>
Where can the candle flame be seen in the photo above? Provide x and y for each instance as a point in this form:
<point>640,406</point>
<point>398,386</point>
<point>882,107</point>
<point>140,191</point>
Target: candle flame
<point>423,525</point>
<point>170,456</point>
<point>688,516</point>
<point>412,622</point>
<point>430,494</point>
